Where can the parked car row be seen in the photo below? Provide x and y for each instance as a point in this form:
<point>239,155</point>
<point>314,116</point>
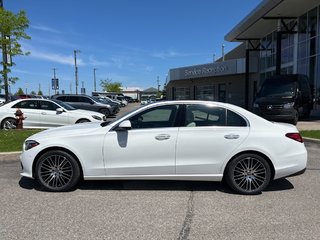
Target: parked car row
<point>45,113</point>
<point>63,109</point>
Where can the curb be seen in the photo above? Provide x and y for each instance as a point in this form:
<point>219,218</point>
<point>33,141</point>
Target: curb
<point>311,140</point>
<point>10,153</point>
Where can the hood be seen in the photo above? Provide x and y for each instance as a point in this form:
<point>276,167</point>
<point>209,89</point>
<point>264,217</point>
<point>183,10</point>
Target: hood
<point>71,130</point>
<point>274,100</point>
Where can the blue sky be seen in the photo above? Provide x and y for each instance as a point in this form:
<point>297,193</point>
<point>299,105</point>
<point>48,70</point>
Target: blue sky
<point>129,41</point>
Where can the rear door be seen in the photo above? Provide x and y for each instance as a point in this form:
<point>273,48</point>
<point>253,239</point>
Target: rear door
<point>210,135</point>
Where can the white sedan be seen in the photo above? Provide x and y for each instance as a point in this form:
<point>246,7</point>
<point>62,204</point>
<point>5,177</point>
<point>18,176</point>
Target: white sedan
<point>45,113</point>
<point>174,140</point>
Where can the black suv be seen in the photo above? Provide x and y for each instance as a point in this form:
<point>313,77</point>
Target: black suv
<point>87,103</point>
<point>284,98</point>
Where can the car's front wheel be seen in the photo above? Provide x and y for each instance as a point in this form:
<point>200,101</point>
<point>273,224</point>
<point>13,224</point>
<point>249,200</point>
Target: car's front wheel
<point>57,171</point>
<point>248,174</point>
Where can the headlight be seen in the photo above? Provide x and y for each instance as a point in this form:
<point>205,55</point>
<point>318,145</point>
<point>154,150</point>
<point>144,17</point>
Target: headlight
<point>97,117</point>
<point>288,105</point>
<point>30,144</point>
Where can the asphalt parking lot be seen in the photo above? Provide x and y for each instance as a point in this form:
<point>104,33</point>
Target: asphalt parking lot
<point>288,209</point>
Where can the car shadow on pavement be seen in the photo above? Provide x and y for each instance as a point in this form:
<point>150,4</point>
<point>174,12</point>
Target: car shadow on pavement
<point>156,185</point>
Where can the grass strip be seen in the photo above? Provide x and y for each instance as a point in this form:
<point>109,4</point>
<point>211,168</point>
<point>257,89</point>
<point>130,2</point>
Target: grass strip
<point>12,140</point>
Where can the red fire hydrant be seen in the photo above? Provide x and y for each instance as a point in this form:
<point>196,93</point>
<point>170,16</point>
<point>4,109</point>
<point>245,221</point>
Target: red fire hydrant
<point>19,119</point>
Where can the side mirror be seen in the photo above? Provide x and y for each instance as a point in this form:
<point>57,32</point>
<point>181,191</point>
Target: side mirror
<point>124,126</point>
<point>59,110</point>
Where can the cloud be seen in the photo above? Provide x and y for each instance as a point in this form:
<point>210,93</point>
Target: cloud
<point>55,57</point>
<point>44,28</point>
<point>94,62</point>
<point>166,54</point>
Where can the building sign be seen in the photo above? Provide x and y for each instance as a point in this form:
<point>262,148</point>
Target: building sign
<point>212,70</point>
<point>229,67</point>
<point>55,83</point>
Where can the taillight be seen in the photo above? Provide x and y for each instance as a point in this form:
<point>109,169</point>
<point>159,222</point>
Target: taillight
<point>295,136</point>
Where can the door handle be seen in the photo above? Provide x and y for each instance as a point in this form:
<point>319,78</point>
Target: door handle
<point>162,137</point>
<point>231,136</point>
<point>43,113</point>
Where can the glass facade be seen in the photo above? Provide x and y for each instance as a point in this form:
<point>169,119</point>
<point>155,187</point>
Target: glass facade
<point>300,51</point>
<point>182,93</point>
<point>204,93</point>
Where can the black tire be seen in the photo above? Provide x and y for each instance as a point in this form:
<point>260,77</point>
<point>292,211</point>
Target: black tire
<point>57,171</point>
<point>248,174</point>
<point>104,111</point>
<point>8,123</point>
<point>307,112</point>
<point>83,121</point>
<point>295,119</point>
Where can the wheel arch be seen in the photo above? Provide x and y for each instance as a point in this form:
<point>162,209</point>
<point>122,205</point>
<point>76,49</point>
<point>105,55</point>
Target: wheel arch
<point>82,119</point>
<point>54,149</point>
<point>251,152</point>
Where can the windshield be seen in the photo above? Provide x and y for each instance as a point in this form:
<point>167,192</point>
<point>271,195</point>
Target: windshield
<point>63,104</point>
<point>278,89</point>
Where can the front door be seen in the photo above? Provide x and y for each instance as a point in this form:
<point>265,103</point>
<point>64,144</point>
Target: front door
<point>146,149</point>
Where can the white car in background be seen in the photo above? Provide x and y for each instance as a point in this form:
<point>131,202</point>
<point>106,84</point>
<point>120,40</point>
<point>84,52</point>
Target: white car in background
<point>45,113</point>
<point>173,140</point>
<point>2,99</point>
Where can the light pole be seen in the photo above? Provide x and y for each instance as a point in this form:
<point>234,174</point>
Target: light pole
<point>94,80</point>
<point>76,68</point>
<point>222,49</point>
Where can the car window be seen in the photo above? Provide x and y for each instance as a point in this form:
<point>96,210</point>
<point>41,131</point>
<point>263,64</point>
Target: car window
<point>204,115</point>
<point>73,99</point>
<point>235,120</point>
<point>62,98</point>
<point>157,117</point>
<point>45,105</point>
<point>28,104</point>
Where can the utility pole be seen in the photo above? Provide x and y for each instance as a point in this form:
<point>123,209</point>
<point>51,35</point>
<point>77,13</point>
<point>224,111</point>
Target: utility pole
<point>158,83</point>
<point>54,81</point>
<point>94,80</point>
<point>76,69</point>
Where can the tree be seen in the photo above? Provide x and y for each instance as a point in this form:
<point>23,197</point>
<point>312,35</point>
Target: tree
<point>19,92</point>
<point>12,29</point>
<point>109,86</point>
<point>40,93</point>
<point>33,93</point>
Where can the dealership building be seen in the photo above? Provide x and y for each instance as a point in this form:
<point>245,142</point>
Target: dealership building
<point>277,37</point>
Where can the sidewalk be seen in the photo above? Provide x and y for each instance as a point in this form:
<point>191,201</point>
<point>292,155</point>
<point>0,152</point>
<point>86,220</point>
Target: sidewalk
<point>312,123</point>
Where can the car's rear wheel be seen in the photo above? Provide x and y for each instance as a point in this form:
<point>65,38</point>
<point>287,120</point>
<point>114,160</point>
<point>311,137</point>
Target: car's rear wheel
<point>57,171</point>
<point>8,123</point>
<point>248,174</point>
